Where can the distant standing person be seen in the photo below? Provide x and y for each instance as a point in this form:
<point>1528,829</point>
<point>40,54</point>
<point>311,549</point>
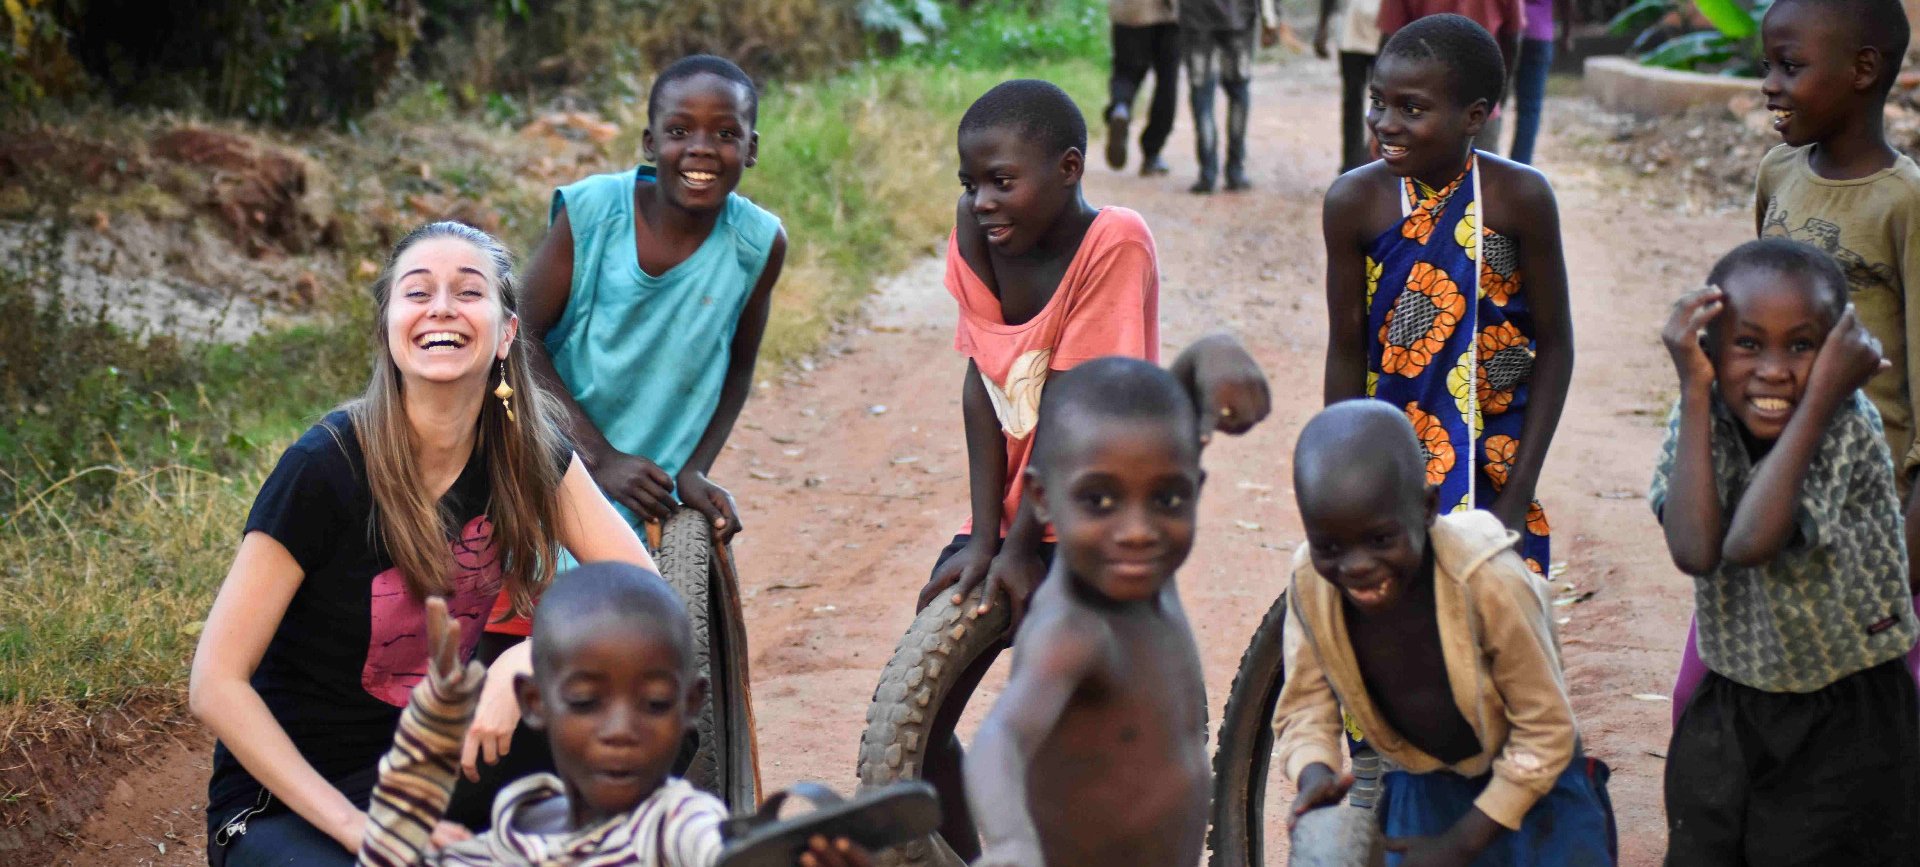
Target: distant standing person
<point>1216,40</point>
<point>1530,74</point>
<point>1146,38</point>
<point>1358,41</point>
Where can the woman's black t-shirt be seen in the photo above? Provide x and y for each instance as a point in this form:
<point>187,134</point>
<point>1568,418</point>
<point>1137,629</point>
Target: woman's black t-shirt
<point>353,641</point>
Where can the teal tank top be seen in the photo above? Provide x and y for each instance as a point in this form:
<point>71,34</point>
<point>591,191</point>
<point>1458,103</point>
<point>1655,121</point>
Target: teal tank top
<point>645,356</point>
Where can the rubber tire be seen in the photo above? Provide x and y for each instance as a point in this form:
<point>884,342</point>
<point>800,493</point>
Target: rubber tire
<point>721,760</point>
<point>944,640</point>
<point>1237,836</point>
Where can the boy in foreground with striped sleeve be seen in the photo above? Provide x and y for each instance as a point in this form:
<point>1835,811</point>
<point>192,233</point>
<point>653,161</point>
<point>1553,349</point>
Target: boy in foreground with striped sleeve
<point>614,691</point>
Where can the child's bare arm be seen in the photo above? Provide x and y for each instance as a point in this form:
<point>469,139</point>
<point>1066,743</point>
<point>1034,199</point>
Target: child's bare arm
<point>1543,265</point>
<point>1346,375</point>
<point>630,480</point>
<point>1049,664</point>
<point>1690,513</point>
<point>1763,520</point>
<point>696,490</point>
<point>986,481</point>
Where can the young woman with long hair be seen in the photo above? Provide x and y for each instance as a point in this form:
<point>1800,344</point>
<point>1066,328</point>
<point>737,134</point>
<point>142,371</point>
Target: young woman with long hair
<point>448,477</point>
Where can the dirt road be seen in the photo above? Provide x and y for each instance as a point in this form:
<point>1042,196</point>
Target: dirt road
<point>852,474</point>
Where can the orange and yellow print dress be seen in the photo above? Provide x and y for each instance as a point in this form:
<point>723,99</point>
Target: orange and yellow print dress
<point>1449,342</point>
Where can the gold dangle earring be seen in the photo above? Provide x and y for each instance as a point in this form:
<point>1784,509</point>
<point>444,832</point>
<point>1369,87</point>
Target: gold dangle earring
<point>504,391</point>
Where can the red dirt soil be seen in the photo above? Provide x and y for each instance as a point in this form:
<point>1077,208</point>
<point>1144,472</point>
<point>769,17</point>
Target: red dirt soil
<point>852,476</point>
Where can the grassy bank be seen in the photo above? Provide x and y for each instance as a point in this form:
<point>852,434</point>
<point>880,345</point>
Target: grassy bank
<point>130,462</point>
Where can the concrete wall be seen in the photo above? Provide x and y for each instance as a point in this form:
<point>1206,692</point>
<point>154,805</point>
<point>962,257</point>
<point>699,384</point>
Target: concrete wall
<point>1619,84</point>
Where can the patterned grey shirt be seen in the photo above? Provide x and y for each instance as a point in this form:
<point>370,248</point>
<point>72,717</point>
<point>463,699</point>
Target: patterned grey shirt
<point>1835,600</point>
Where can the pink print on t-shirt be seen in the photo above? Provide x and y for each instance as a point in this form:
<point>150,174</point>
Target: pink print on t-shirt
<point>397,648</point>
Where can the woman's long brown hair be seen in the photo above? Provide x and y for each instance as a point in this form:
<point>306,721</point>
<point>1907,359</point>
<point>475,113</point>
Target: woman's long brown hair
<point>521,456</point>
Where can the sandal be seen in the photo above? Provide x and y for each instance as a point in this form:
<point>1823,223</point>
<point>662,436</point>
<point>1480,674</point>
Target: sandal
<point>875,819</point>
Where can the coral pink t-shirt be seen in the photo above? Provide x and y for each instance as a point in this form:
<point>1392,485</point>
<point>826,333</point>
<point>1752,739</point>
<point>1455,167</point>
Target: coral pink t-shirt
<point>1108,303</point>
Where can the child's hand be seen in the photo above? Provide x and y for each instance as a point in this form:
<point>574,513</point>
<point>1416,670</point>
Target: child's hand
<point>839,853</point>
<point>1438,851</point>
<point>966,568</point>
<point>1269,35</point>
<point>1319,787</point>
<point>443,652</point>
<point>1683,333</point>
<point>1228,387</point>
<point>1849,358</point>
<point>711,500</point>
<point>1320,41</point>
<point>1016,575</point>
<point>634,482</point>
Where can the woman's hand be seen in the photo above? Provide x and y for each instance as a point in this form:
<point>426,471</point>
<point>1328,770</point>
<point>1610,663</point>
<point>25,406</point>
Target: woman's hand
<point>447,833</point>
<point>491,735</point>
<point>350,831</point>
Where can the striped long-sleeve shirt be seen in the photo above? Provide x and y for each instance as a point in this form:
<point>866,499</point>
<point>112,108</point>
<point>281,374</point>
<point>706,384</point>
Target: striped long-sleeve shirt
<point>676,826</point>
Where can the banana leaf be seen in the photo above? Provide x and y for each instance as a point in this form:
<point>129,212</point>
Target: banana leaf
<point>1638,15</point>
<point>1692,50</point>
<point>1729,17</point>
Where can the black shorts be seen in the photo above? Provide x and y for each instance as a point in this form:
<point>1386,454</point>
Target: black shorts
<point>1826,777</point>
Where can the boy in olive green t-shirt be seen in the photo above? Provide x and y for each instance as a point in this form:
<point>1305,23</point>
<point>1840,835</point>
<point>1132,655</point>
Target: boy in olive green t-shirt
<point>1836,184</point>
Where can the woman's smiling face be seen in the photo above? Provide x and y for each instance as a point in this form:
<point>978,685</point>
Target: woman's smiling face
<point>445,319</point>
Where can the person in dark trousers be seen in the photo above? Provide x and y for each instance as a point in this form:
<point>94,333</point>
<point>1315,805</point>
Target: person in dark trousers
<point>1216,43</point>
<point>1146,38</point>
<point>1357,41</point>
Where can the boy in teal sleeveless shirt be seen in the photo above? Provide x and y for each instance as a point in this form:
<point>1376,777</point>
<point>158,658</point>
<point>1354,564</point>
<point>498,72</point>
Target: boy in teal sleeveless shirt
<point>646,302</point>
<point>650,296</point>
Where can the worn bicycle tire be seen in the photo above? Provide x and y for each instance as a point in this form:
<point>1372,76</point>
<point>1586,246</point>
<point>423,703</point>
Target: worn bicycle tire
<point>721,762</point>
<point>944,640</point>
<point>1237,834</point>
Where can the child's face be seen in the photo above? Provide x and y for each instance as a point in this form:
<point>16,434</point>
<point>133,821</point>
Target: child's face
<point>1413,112</point>
<point>1121,499</point>
<point>1811,72</point>
<point>1018,190</point>
<point>615,703</point>
<point>701,140</point>
<point>1763,345</point>
<point>1368,537</point>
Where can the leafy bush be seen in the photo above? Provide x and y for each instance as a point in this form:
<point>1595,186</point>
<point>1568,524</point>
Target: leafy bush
<point>1730,47</point>
<point>997,34</point>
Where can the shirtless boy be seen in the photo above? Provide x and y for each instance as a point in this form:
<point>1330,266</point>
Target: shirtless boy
<point>1429,634</point>
<point>1096,751</point>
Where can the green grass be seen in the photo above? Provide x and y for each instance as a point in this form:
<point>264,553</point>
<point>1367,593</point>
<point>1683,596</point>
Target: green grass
<point>128,463</point>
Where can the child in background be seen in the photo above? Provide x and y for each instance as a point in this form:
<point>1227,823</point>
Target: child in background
<point>1357,42</point>
<point>615,687</point>
<point>1044,282</point>
<point>1446,285</point>
<point>1096,752</point>
<point>1535,60</point>
<point>1216,41</point>
<point>1430,634</point>
<point>646,304</point>
<point>1776,492</point>
<point>1146,38</point>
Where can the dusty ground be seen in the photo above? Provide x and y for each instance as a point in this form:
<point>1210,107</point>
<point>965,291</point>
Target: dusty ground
<point>852,473</point>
